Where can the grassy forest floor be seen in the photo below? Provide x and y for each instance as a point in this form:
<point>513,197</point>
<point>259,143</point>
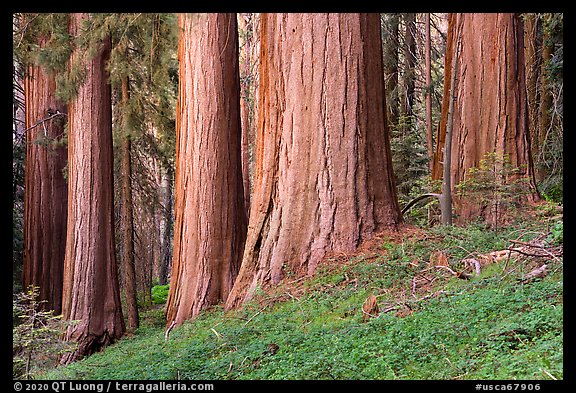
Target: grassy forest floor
<point>503,324</point>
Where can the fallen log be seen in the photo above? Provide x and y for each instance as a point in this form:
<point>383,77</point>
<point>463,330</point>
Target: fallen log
<point>536,273</point>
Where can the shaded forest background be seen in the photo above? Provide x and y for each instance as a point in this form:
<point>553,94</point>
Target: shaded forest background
<point>144,77</point>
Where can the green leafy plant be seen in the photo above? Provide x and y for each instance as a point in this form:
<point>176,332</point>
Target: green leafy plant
<point>36,335</point>
<point>495,184</point>
<point>558,232</point>
<point>489,327</point>
<point>160,293</point>
<point>409,157</point>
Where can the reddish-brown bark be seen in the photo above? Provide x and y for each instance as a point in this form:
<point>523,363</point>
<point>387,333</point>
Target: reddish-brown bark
<point>490,108</point>
<point>323,179</point>
<point>210,222</point>
<point>45,195</point>
<point>91,294</point>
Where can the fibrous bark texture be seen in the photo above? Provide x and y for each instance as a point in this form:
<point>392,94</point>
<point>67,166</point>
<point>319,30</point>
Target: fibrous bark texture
<point>323,179</point>
<point>46,194</point>
<point>490,108</point>
<point>210,223</point>
<point>91,294</point>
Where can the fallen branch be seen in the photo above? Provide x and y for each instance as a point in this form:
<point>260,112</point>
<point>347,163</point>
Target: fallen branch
<point>475,263</point>
<point>418,199</point>
<point>461,275</point>
<point>388,309</point>
<point>434,294</point>
<point>42,121</point>
<point>498,256</point>
<point>368,314</point>
<point>526,243</point>
<point>252,317</point>
<point>216,333</point>
<point>541,251</point>
<point>292,296</point>
<point>550,375</point>
<point>529,249</point>
<point>536,273</point>
<point>408,303</point>
<point>169,329</point>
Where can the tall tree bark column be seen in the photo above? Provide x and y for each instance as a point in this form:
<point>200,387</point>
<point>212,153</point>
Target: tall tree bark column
<point>45,190</point>
<point>245,24</point>
<point>91,292</point>
<point>210,223</point>
<point>391,46</point>
<point>128,267</point>
<point>323,176</point>
<point>428,93</point>
<point>446,196</point>
<point>491,113</point>
<point>546,99</point>
<point>533,63</point>
<point>168,228</point>
<point>409,79</point>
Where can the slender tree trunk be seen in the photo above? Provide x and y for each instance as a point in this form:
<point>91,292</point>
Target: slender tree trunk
<point>409,80</point>
<point>45,195</point>
<point>210,225</point>
<point>245,25</point>
<point>428,60</point>
<point>145,244</point>
<point>546,100</point>
<point>323,177</point>
<point>168,232</point>
<point>533,58</point>
<point>128,268</point>
<point>18,176</point>
<point>446,196</point>
<point>91,293</point>
<point>391,70</point>
<point>491,113</point>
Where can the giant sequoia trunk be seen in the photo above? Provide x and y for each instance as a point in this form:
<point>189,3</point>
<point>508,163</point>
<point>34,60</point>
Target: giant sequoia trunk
<point>323,168</point>
<point>91,294</point>
<point>45,196</point>
<point>490,109</point>
<point>210,224</point>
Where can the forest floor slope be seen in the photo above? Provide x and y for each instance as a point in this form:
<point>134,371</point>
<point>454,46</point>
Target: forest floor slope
<point>435,318</point>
